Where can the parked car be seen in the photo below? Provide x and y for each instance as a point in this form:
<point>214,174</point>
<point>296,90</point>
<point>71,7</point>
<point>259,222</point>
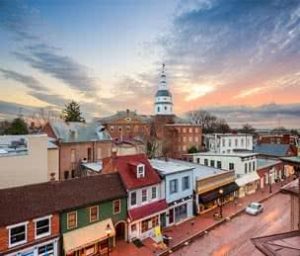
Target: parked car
<point>254,208</point>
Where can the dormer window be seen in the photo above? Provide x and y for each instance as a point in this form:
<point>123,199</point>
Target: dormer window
<point>140,171</point>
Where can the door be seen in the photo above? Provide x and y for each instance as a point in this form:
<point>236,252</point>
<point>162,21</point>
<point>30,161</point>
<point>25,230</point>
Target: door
<point>163,220</point>
<point>120,231</point>
<point>171,216</point>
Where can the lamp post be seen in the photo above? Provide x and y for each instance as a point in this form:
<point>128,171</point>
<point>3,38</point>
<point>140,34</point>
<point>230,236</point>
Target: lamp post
<point>221,201</point>
<point>108,232</point>
<point>270,181</point>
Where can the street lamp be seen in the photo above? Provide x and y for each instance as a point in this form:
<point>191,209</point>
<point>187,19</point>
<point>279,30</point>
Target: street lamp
<point>108,231</point>
<point>221,200</point>
<point>270,182</point>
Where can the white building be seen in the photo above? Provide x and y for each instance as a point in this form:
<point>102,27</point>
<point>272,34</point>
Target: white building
<point>243,164</point>
<point>163,98</point>
<point>225,143</point>
<point>27,159</point>
<point>178,186</point>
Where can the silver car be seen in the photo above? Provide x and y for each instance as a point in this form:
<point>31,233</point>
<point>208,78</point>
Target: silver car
<point>254,208</point>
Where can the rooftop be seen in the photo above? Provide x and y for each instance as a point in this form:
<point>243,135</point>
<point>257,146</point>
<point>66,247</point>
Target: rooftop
<point>235,154</point>
<point>78,131</point>
<point>165,167</point>
<point>200,171</point>
<point>33,201</point>
<point>263,163</point>
<point>272,149</point>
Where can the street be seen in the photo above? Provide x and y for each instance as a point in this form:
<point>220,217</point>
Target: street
<point>233,237</point>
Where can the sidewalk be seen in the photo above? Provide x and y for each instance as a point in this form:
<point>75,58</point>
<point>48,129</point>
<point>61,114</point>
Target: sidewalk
<point>196,226</point>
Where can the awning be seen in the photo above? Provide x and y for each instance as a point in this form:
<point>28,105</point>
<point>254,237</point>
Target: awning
<point>247,178</point>
<point>214,194</point>
<point>147,210</point>
<point>83,237</point>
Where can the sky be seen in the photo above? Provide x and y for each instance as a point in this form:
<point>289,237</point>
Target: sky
<point>238,59</point>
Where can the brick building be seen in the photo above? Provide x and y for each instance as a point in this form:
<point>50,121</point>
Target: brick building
<point>78,143</point>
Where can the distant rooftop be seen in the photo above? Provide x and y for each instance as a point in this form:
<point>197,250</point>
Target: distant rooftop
<point>13,145</point>
<point>79,132</point>
<point>235,154</point>
<point>272,149</point>
<point>263,163</point>
<point>200,171</point>
<point>170,166</point>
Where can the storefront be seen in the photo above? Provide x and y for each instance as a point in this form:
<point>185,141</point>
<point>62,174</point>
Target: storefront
<point>210,200</point>
<point>49,248</point>
<point>248,184</point>
<point>90,240</point>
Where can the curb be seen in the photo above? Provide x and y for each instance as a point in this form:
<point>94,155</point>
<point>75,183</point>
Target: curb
<point>201,233</point>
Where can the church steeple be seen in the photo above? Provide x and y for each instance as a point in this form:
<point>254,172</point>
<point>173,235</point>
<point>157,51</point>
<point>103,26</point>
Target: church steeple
<point>163,98</point>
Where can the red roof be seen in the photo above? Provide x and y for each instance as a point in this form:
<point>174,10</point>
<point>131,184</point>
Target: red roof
<point>147,210</point>
<point>126,166</point>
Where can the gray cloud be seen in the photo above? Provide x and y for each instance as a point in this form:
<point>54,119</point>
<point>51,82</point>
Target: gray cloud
<point>64,68</point>
<point>270,115</point>
<point>29,81</point>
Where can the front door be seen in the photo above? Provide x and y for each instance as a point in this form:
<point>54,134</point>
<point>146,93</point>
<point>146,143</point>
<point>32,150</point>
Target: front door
<point>163,220</point>
<point>120,231</point>
<point>171,216</point>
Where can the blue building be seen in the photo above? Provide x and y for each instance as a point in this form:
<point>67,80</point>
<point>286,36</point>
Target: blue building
<point>177,185</point>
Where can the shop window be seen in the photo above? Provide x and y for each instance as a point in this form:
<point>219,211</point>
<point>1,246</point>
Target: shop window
<point>149,223</point>
<point>42,227</point>
<point>94,213</point>
<point>72,220</point>
<point>17,235</point>
<point>180,212</point>
<point>46,250</point>
<point>117,206</point>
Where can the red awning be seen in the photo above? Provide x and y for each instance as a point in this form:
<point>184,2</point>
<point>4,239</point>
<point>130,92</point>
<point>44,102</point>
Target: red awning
<point>147,210</point>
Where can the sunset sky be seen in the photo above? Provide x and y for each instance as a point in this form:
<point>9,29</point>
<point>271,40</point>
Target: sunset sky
<point>239,59</point>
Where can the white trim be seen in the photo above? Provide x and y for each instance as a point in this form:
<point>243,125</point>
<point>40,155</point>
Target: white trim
<point>35,228</point>
<point>9,234</point>
<point>18,224</point>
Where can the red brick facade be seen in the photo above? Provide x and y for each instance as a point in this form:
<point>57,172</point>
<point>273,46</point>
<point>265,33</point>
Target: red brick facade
<point>4,235</point>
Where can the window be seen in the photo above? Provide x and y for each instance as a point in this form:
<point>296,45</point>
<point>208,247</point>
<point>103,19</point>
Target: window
<point>253,166</point>
<point>242,142</point>
<point>219,164</point>
<point>117,206</point>
<point>90,250</point>
<point>66,175</point>
<point>72,220</point>
<point>140,172</point>
<point>190,139</point>
<point>42,227</point>
<point>165,108</point>
<point>158,109</point>
<point>246,168</point>
<point>249,166</point>
<point>73,155</point>
<point>133,198</point>
<point>173,186</point>
<point>144,195</point>
<point>94,213</point>
<point>206,162</point>
<point>184,139</point>
<point>17,235</point>
<point>184,130</point>
<point>46,250</point>
<point>149,223</point>
<point>223,142</point>
<point>185,183</point>
<point>133,227</point>
<point>198,160</point>
<point>231,166</point>
<point>229,143</point>
<point>212,163</point>
<point>190,130</point>
<point>236,142</point>
<point>99,154</point>
<point>154,193</point>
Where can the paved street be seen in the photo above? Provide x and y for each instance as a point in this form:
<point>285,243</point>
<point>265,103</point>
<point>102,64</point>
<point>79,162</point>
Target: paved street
<point>233,237</point>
